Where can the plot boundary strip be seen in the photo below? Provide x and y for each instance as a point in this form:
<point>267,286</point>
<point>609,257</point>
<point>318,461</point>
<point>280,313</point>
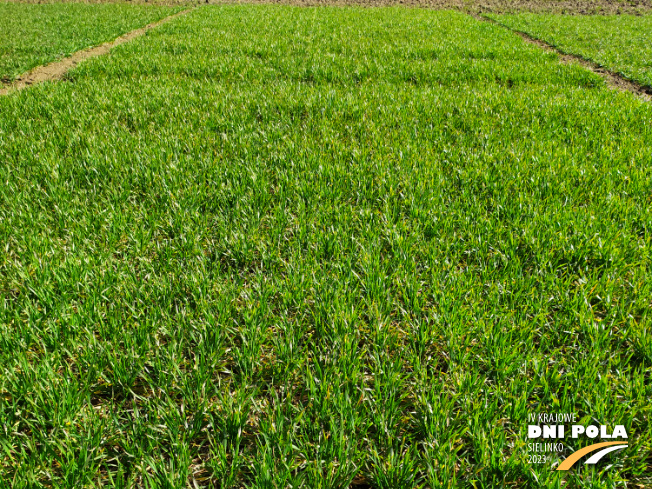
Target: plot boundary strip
<point>57,69</point>
<point>614,80</point>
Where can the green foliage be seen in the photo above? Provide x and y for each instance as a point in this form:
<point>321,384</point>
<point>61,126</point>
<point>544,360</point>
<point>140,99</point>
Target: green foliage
<point>280,247</point>
<point>35,34</point>
<point>621,43</point>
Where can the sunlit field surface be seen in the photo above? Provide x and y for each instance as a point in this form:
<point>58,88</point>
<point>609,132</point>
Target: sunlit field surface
<point>621,43</point>
<point>35,34</point>
<point>274,247</point>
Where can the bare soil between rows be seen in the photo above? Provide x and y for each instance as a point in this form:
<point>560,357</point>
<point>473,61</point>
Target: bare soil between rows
<point>614,80</point>
<point>57,69</point>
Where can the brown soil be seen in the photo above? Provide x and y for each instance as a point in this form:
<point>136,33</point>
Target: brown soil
<point>568,7</point>
<point>57,69</point>
<point>614,80</point>
<point>571,7</point>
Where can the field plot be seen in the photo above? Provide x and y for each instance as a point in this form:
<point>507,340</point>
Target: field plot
<point>620,43</point>
<point>31,35</point>
<point>323,248</point>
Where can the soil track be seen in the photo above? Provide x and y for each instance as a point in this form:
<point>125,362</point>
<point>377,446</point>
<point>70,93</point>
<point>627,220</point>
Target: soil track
<point>57,69</point>
<point>613,79</point>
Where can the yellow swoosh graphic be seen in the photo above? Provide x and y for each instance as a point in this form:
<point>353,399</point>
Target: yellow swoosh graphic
<point>570,461</point>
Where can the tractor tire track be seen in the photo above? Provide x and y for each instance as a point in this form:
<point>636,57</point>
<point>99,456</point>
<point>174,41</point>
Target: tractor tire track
<point>614,80</point>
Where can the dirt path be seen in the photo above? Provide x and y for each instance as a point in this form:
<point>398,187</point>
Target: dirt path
<point>613,79</point>
<point>57,69</point>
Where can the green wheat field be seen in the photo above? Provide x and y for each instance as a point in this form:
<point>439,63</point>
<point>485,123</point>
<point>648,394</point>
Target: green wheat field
<point>283,247</point>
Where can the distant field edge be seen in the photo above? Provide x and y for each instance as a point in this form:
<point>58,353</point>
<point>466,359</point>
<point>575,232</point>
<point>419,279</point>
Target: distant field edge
<point>56,70</point>
<point>570,7</point>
